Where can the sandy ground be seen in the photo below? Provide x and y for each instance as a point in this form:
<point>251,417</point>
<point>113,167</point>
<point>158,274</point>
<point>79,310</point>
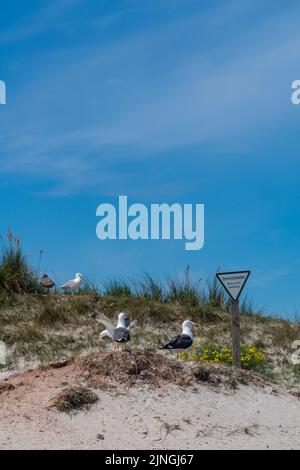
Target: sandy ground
<point>170,417</point>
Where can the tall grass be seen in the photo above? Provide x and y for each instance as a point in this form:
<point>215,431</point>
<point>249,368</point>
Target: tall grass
<point>248,308</point>
<point>184,290</point>
<point>215,294</point>
<point>17,276</point>
<point>15,273</point>
<point>115,288</point>
<point>151,289</point>
<point>88,287</point>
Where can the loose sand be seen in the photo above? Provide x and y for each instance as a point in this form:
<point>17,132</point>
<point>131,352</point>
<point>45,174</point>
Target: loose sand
<point>146,414</point>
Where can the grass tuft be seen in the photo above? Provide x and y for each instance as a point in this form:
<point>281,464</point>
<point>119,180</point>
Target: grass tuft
<point>151,289</point>
<point>15,273</point>
<point>117,288</point>
<point>184,291</point>
<point>202,374</point>
<point>215,295</point>
<point>74,398</point>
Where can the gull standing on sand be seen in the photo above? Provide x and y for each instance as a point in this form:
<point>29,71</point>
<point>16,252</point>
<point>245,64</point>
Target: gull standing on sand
<point>183,342</point>
<point>74,284</point>
<point>120,333</point>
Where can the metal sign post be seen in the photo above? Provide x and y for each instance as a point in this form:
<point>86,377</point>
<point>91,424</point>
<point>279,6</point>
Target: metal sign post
<point>233,283</point>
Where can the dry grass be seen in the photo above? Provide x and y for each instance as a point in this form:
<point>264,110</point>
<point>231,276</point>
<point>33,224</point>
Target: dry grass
<point>42,328</point>
<point>73,398</point>
<point>39,327</point>
<point>132,367</point>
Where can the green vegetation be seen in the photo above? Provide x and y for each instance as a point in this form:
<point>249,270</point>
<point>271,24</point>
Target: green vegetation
<point>251,357</point>
<point>116,288</point>
<point>15,273</point>
<point>38,326</point>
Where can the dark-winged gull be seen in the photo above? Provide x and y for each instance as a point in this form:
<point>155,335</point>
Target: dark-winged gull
<point>74,284</point>
<point>46,282</point>
<point>119,334</point>
<point>181,343</point>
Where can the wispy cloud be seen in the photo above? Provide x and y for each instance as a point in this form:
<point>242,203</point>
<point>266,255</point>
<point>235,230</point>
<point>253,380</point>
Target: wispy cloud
<point>264,278</point>
<point>147,94</point>
<point>38,21</point>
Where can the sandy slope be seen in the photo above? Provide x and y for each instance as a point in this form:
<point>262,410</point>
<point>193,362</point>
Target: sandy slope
<point>141,417</point>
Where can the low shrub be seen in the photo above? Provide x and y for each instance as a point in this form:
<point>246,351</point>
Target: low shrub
<point>251,357</point>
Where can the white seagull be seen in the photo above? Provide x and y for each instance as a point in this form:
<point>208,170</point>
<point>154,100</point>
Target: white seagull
<point>120,333</point>
<point>183,342</point>
<point>74,284</point>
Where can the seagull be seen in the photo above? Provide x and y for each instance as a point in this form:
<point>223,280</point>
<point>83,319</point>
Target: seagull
<point>74,284</point>
<point>120,333</point>
<point>183,342</point>
<point>46,282</point>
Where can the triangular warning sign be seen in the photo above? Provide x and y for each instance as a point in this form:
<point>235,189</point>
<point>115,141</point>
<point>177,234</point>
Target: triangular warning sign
<point>233,282</point>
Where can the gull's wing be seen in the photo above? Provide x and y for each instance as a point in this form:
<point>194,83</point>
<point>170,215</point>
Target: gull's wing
<point>48,283</point>
<point>121,335</point>
<point>69,284</point>
<point>179,342</point>
<point>171,343</point>
<point>101,318</point>
<point>105,333</point>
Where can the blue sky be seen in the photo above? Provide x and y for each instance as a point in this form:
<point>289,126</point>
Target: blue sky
<point>163,101</point>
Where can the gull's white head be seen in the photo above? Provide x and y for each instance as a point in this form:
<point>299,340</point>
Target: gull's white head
<point>187,324</point>
<point>122,319</point>
<point>122,315</point>
<point>187,328</point>
<point>79,275</point>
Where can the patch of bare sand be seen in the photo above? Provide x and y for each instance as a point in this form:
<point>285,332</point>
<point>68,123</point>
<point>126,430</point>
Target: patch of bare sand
<point>147,402</point>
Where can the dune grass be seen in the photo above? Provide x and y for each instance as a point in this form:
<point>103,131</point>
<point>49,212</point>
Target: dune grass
<point>17,276</point>
<point>40,326</point>
<point>116,288</point>
<point>15,273</point>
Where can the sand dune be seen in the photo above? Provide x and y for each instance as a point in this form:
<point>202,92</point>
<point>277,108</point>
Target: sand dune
<point>143,416</point>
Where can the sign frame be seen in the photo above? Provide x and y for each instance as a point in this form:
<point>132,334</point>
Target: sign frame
<point>234,300</point>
